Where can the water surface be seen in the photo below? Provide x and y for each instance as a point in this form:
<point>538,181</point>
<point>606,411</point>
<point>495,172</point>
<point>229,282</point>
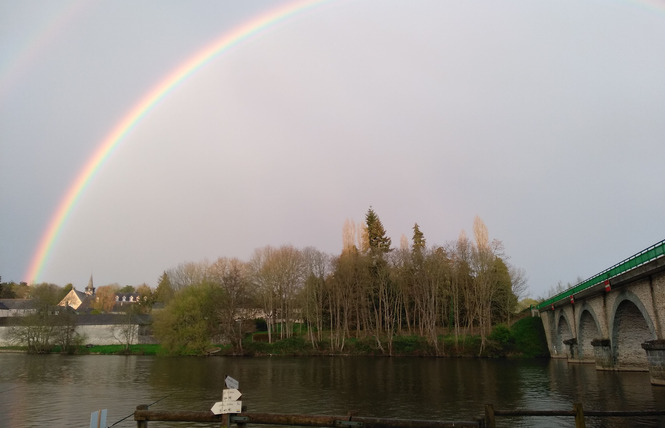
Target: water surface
<point>62,391</point>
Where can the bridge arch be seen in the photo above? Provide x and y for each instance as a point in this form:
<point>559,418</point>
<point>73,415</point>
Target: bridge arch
<point>630,327</point>
<point>563,332</point>
<point>588,329</point>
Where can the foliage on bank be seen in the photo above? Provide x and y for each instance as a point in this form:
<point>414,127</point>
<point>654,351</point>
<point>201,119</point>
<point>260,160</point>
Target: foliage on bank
<point>524,339</point>
<point>93,350</point>
<point>372,299</point>
<point>369,292</point>
<point>122,350</point>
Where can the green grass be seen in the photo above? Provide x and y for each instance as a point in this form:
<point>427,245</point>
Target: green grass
<point>13,348</point>
<point>101,349</point>
<point>467,346</point>
<point>120,350</point>
<point>529,336</point>
<point>411,345</point>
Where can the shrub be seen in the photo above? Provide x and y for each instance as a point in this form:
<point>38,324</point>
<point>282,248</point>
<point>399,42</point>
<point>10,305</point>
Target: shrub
<point>529,336</point>
<point>467,346</point>
<point>411,345</point>
<point>251,348</point>
<point>362,346</point>
<point>502,335</point>
<point>260,337</point>
<point>291,345</point>
<point>500,342</point>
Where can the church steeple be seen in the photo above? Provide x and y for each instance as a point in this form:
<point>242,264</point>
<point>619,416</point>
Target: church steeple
<point>90,289</point>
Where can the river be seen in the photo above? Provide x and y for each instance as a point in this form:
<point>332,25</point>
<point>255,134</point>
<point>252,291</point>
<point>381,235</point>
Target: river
<point>62,391</point>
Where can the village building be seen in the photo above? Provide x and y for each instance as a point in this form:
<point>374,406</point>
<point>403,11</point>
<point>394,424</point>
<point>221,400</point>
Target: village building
<point>82,301</point>
<point>127,298</point>
<point>114,327</point>
<point>16,307</point>
<point>78,300</point>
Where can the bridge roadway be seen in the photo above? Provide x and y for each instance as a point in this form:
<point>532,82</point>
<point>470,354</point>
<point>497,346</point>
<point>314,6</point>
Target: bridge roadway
<point>615,319</point>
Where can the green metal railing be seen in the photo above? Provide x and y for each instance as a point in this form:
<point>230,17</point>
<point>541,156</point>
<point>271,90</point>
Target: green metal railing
<point>644,256</point>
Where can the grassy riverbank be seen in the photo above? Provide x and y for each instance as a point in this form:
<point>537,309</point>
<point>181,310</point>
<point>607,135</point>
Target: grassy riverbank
<point>524,339</point>
<point>96,350</point>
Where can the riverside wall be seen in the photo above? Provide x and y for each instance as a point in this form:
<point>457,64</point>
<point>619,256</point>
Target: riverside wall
<point>114,334</point>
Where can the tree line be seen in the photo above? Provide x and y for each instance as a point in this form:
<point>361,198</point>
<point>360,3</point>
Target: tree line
<point>370,290</point>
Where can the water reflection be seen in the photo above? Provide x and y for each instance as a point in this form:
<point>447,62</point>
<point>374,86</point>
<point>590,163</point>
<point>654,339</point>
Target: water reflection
<point>56,390</point>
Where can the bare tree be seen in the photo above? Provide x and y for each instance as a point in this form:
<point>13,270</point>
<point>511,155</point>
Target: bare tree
<point>462,286</point>
<point>404,274</point>
<point>126,333</point>
<point>49,325</point>
<point>236,303</point>
<point>279,275</point>
<point>347,302</point>
<point>484,257</point>
<point>105,297</point>
<point>314,295</point>
<point>435,295</point>
<point>349,232</point>
<point>187,274</point>
<point>518,282</point>
<point>262,278</point>
<point>35,331</point>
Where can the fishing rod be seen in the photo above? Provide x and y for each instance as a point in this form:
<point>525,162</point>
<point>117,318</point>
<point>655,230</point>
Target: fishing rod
<point>133,412</point>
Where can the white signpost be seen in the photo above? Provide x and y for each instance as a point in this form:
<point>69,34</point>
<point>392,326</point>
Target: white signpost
<point>231,395</point>
<point>98,419</point>
<point>231,383</point>
<point>229,403</point>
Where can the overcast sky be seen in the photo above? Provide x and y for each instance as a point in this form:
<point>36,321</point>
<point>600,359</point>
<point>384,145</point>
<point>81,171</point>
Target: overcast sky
<point>546,119</point>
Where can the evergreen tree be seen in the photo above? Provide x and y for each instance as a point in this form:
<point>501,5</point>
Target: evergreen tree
<point>378,241</point>
<point>418,238</point>
<point>127,289</point>
<point>383,294</point>
<point>418,247</point>
<point>164,292</point>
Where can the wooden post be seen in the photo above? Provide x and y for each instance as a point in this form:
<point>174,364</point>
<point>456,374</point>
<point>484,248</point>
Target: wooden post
<point>225,421</point>
<point>490,421</point>
<point>579,415</point>
<point>239,424</point>
<point>142,424</point>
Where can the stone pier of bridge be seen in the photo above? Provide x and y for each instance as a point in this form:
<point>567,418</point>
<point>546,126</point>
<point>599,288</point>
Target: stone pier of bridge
<point>616,324</point>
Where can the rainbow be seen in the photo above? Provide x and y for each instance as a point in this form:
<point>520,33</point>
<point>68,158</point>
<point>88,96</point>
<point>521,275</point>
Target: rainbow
<point>151,98</point>
<point>141,109</point>
<point>37,42</point>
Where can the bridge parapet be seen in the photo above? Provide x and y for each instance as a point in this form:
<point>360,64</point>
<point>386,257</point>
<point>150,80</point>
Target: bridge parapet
<point>607,278</point>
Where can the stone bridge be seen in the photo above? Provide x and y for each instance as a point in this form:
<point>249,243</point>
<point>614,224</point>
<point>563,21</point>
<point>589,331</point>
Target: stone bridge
<point>614,319</point>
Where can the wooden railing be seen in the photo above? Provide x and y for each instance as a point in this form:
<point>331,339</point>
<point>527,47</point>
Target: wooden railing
<point>142,416</point>
<point>577,411</point>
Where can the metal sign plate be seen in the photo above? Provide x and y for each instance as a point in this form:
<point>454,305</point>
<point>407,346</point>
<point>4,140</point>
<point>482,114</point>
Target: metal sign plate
<point>230,395</point>
<point>231,383</point>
